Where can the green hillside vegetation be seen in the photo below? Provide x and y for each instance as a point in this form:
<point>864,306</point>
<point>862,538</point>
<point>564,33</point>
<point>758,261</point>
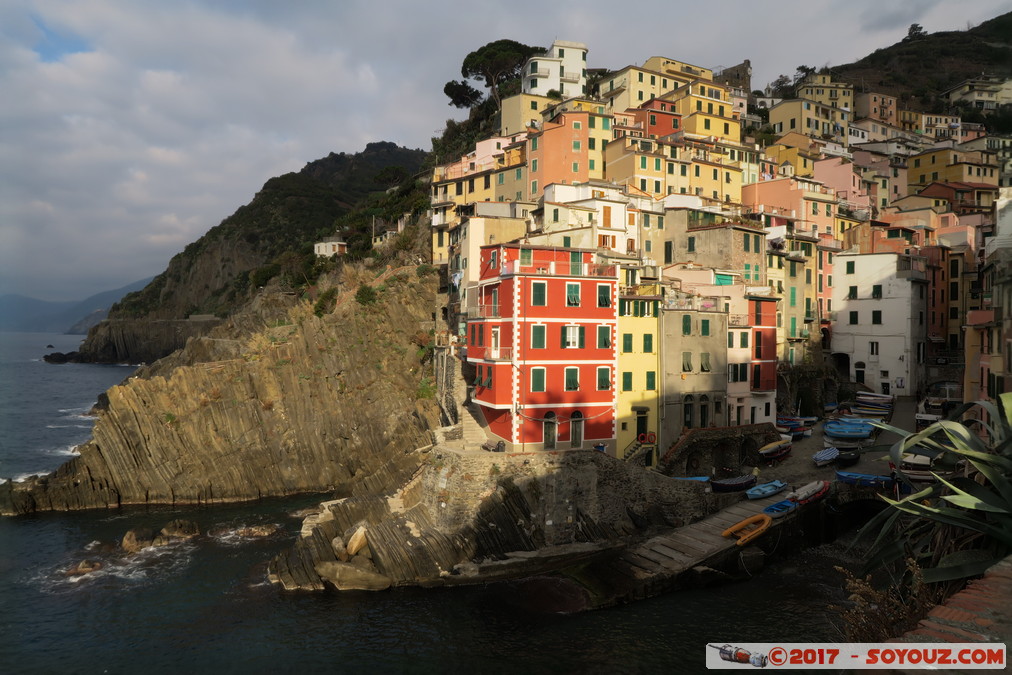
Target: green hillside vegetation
<point>920,67</point>
<point>274,233</point>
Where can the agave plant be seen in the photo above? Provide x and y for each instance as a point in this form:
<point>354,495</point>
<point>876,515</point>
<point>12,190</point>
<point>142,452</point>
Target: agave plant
<point>956,527</point>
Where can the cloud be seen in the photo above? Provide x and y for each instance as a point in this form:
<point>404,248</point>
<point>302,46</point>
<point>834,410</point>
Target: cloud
<point>131,128</point>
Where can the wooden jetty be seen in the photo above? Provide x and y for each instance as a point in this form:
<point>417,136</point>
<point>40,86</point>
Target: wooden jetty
<point>657,564</point>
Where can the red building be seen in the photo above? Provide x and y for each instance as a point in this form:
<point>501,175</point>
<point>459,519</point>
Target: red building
<point>542,340</point>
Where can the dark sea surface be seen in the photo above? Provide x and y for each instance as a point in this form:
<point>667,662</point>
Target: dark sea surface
<point>206,606</point>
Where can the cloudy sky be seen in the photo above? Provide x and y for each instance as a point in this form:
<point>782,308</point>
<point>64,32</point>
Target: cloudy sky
<point>128,128</point>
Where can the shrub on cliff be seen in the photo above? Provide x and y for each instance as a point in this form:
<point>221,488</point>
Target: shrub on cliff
<point>365,295</point>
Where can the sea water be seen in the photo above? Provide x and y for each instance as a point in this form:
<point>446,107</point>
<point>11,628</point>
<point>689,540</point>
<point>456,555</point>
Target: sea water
<point>206,605</point>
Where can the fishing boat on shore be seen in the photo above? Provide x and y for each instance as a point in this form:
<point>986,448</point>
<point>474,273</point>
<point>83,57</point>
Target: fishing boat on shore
<point>864,479</point>
<point>766,489</point>
<point>734,484</point>
<point>748,529</point>
<point>826,456</point>
<point>809,493</point>
<point>777,450</point>
<point>780,509</point>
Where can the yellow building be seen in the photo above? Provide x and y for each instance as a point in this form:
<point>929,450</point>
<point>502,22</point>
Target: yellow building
<point>639,371</point>
<point>633,86</point>
<point>637,162</point>
<point>951,166</point>
<point>521,111</point>
<point>677,69</point>
<point>811,118</point>
<point>707,111</point>
<point>821,88</point>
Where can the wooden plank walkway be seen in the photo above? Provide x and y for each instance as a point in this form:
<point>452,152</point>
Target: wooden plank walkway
<point>660,560</point>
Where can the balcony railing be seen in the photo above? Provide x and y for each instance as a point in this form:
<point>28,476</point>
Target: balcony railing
<point>556,268</point>
<point>483,312</point>
<point>570,76</point>
<point>737,320</point>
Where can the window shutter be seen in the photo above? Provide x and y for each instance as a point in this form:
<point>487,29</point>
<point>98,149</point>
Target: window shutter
<point>562,334</point>
<point>582,334</point>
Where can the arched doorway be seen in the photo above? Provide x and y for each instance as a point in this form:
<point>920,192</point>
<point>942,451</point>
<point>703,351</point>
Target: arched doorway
<point>704,410</point>
<point>549,430</point>
<point>687,405</point>
<point>576,430</point>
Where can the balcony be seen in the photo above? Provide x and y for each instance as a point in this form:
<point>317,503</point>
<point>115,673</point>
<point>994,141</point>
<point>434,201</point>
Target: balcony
<point>483,312</point>
<point>830,244</point>
<point>559,269</point>
<point>538,72</point>
<point>570,76</point>
<point>739,320</point>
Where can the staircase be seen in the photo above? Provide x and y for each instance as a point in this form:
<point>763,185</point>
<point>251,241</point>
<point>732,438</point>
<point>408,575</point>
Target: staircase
<point>474,432</point>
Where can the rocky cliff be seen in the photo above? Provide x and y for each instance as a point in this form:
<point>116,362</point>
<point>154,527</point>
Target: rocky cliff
<point>470,517</point>
<point>300,404</point>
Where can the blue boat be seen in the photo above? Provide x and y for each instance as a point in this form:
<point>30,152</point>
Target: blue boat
<point>848,430</point>
<point>766,489</point>
<point>701,479</point>
<point>780,509</point>
<point>864,479</point>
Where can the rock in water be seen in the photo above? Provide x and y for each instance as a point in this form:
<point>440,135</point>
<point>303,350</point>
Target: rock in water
<point>138,538</point>
<point>347,577</point>
<point>84,567</point>
<point>258,530</point>
<point>181,529</point>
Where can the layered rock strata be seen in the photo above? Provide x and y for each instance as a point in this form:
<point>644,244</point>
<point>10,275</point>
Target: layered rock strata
<point>303,405</point>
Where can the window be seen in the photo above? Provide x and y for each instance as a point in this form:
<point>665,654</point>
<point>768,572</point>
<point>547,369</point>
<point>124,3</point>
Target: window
<point>572,294</point>
<point>627,343</point>
<point>572,337</point>
<point>748,241</point>
<point>876,316</point>
<point>526,255</point>
<point>686,324</point>
<point>873,348</point>
<point>604,337</point>
<point>537,379</point>
<point>850,267</point>
<point>576,146</point>
<point>704,362</point>
<point>539,293</point>
<point>686,362</point>
<point>538,336</point>
<point>704,327</point>
<point>604,295</point>
<point>730,340</point>
<point>692,244</point>
<point>626,381</point>
<point>651,380</point>
<point>853,319</point>
<point>572,379</point>
<point>603,379</point>
<point>648,343</point>
<point>794,296</point>
<point>534,187</point>
<point>876,291</point>
<point>576,167</point>
<point>852,292</point>
<point>743,342</point>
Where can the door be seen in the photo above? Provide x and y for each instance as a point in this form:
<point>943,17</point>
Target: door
<point>576,430</point>
<point>495,344</point>
<point>642,423</point>
<point>549,431</point>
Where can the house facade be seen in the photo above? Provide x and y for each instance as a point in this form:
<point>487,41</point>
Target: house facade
<point>542,340</point>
